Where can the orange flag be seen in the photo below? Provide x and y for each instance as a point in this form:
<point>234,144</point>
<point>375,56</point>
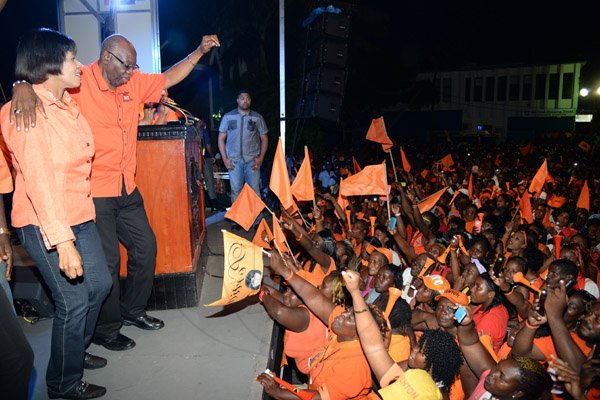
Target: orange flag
<point>280,180</point>
<point>470,187</point>
<point>537,183</point>
<point>405,165</point>
<point>279,236</point>
<point>525,206</point>
<point>371,180</point>
<point>357,167</point>
<point>263,235</point>
<point>378,133</point>
<point>584,197</point>
<point>303,188</point>
<point>245,208</point>
<point>447,161</point>
<point>428,203</point>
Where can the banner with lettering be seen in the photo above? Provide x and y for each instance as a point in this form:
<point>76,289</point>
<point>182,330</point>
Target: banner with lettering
<point>243,269</point>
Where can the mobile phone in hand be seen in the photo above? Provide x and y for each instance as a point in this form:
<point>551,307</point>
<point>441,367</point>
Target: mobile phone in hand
<point>460,314</point>
<point>542,299</point>
<point>392,223</point>
<point>498,265</point>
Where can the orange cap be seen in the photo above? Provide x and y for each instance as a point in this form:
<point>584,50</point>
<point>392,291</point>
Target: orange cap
<point>436,282</point>
<point>455,296</point>
<point>386,252</point>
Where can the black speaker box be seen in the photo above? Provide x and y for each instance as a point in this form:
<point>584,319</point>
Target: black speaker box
<point>330,25</point>
<point>325,79</point>
<point>321,105</point>
<point>28,286</point>
<point>327,53</point>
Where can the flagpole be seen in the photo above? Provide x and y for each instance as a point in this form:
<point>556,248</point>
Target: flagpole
<point>285,240</point>
<point>387,193</point>
<point>393,165</point>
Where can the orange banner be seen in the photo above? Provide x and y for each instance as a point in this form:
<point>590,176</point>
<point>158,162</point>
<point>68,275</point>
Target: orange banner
<point>537,183</point>
<point>428,203</point>
<point>584,197</point>
<point>280,180</point>
<point>371,180</point>
<point>243,269</point>
<point>303,188</point>
<point>377,133</point>
<point>405,164</point>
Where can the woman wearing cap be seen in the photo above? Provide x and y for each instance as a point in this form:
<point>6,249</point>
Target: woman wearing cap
<point>424,311</point>
<point>341,370</point>
<point>512,378</point>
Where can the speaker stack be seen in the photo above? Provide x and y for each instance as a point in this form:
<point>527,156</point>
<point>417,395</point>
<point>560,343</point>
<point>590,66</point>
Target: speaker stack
<point>326,65</point>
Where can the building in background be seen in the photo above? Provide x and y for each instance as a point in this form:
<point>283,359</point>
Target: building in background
<point>509,102</point>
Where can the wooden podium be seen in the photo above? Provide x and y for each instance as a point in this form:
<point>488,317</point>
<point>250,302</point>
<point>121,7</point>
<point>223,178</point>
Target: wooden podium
<point>169,162</point>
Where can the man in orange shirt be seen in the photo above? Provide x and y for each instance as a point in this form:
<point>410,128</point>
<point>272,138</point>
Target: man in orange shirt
<point>109,97</point>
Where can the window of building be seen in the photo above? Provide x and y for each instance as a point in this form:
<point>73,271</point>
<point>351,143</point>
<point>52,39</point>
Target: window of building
<point>540,86</point>
<point>567,87</point>
<point>490,87</point>
<point>467,89</point>
<point>527,86</point>
<point>553,87</point>
<point>502,81</point>
<point>478,89</point>
<point>513,87</point>
<point>446,90</point>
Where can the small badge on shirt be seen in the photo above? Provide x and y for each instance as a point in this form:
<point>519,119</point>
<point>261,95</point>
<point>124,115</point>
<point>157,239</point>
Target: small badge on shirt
<point>126,96</point>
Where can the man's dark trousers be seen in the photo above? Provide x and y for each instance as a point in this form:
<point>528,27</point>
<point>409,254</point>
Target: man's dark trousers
<point>124,219</point>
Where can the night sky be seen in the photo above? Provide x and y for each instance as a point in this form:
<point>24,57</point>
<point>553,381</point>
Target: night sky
<point>390,41</point>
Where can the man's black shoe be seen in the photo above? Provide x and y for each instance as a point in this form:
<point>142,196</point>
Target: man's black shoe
<point>119,343</point>
<point>82,390</point>
<point>91,361</point>
<point>144,321</point>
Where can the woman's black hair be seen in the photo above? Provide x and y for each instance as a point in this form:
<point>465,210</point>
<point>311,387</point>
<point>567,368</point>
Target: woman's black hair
<point>442,355</point>
<point>373,240</point>
<point>401,314</point>
<point>489,258</point>
<point>434,221</point>
<point>42,52</point>
<point>498,299</point>
<point>521,262</point>
<point>535,258</point>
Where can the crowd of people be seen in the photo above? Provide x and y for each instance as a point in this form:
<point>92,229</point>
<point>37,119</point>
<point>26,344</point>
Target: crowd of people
<point>492,293</point>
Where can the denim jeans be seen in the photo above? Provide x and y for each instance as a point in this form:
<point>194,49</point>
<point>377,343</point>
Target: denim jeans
<point>4,284</point>
<point>77,301</point>
<point>242,172</point>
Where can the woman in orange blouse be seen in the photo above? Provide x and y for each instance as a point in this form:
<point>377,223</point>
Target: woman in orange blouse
<point>53,209</point>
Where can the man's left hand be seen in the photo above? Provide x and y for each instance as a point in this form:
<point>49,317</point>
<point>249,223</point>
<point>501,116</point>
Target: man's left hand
<point>6,254</point>
<point>208,42</point>
<point>257,163</point>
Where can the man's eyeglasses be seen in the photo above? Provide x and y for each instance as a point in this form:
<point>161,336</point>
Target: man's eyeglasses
<point>127,66</point>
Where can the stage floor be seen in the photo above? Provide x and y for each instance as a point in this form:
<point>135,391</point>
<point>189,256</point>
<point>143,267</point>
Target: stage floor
<point>201,353</point>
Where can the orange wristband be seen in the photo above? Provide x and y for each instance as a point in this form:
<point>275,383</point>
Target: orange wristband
<point>529,325</point>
